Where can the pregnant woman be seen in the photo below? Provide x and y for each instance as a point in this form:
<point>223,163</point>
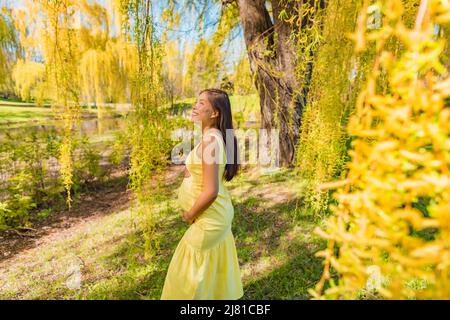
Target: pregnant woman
<point>205,263</point>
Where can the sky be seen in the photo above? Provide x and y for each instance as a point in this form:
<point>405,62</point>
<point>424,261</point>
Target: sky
<point>232,50</point>
<point>186,33</point>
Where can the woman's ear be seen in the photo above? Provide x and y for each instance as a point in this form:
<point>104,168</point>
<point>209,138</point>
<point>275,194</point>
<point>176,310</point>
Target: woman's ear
<point>215,114</point>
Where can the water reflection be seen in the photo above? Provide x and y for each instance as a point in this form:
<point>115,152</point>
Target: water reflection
<point>90,126</point>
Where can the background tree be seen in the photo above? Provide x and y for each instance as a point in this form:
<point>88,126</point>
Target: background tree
<point>173,66</point>
<point>10,50</point>
<point>29,80</point>
<point>272,51</point>
<point>242,77</point>
<point>204,66</point>
<point>336,79</point>
<point>281,66</point>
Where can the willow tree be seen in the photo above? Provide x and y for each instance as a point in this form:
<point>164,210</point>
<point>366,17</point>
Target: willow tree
<point>60,54</point>
<point>204,66</point>
<point>29,80</point>
<point>106,60</point>
<point>272,51</point>
<point>10,50</point>
<point>205,61</point>
<point>149,127</point>
<point>173,70</point>
<point>338,75</point>
<point>29,72</point>
<point>389,233</point>
<point>276,55</point>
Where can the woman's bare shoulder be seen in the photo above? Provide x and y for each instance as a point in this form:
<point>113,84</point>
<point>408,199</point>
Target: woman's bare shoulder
<point>209,135</point>
<point>210,143</point>
<point>211,131</point>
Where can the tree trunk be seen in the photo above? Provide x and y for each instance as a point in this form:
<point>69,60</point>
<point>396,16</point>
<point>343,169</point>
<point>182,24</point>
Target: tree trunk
<point>282,98</point>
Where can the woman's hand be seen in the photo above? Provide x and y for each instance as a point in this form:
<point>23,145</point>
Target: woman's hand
<point>187,217</point>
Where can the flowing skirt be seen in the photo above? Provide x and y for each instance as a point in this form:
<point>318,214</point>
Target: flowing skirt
<point>205,263</point>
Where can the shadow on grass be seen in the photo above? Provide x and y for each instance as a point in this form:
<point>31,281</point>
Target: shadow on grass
<point>266,230</point>
<point>136,277</point>
<point>292,280</point>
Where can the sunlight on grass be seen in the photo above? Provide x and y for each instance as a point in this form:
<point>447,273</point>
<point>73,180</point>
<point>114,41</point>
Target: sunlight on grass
<point>19,114</point>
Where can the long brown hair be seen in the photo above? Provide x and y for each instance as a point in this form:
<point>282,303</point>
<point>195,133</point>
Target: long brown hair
<point>221,102</point>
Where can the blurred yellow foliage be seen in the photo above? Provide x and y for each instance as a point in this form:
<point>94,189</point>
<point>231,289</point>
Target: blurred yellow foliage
<point>392,220</point>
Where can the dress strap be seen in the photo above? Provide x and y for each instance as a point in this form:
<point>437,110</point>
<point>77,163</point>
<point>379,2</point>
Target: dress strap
<point>221,142</point>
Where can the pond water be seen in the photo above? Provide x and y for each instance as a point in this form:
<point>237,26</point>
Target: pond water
<point>99,131</point>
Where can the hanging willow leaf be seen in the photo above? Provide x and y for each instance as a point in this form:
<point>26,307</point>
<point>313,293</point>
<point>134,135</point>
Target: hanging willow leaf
<point>376,222</point>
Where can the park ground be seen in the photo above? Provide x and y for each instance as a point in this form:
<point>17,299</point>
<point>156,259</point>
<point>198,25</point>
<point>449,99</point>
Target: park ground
<point>100,242</point>
<point>96,249</point>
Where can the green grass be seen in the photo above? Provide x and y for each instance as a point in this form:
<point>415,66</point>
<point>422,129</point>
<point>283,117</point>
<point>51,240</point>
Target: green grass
<point>273,235</point>
<point>18,103</point>
<point>12,114</point>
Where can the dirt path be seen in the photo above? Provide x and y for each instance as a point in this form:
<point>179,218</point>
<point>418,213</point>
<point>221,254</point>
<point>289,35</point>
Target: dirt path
<point>91,206</point>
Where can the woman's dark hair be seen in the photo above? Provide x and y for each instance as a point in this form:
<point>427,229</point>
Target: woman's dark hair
<point>221,102</point>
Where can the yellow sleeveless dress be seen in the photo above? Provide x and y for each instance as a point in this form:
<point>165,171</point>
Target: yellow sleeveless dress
<point>205,263</point>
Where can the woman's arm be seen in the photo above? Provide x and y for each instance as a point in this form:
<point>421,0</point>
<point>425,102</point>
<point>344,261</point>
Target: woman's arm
<point>210,167</point>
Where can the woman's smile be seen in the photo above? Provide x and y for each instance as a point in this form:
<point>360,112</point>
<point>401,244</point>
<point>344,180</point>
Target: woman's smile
<point>202,111</point>
<point>194,113</point>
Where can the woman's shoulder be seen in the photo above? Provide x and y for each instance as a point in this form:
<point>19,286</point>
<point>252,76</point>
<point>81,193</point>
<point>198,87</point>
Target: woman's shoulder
<point>218,141</point>
<point>213,131</point>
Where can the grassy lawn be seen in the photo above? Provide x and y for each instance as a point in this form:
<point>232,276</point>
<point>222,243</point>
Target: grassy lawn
<point>18,103</point>
<point>274,238</point>
<point>14,114</point>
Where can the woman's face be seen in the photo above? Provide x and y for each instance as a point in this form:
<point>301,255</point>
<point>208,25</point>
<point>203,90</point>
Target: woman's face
<point>203,111</point>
